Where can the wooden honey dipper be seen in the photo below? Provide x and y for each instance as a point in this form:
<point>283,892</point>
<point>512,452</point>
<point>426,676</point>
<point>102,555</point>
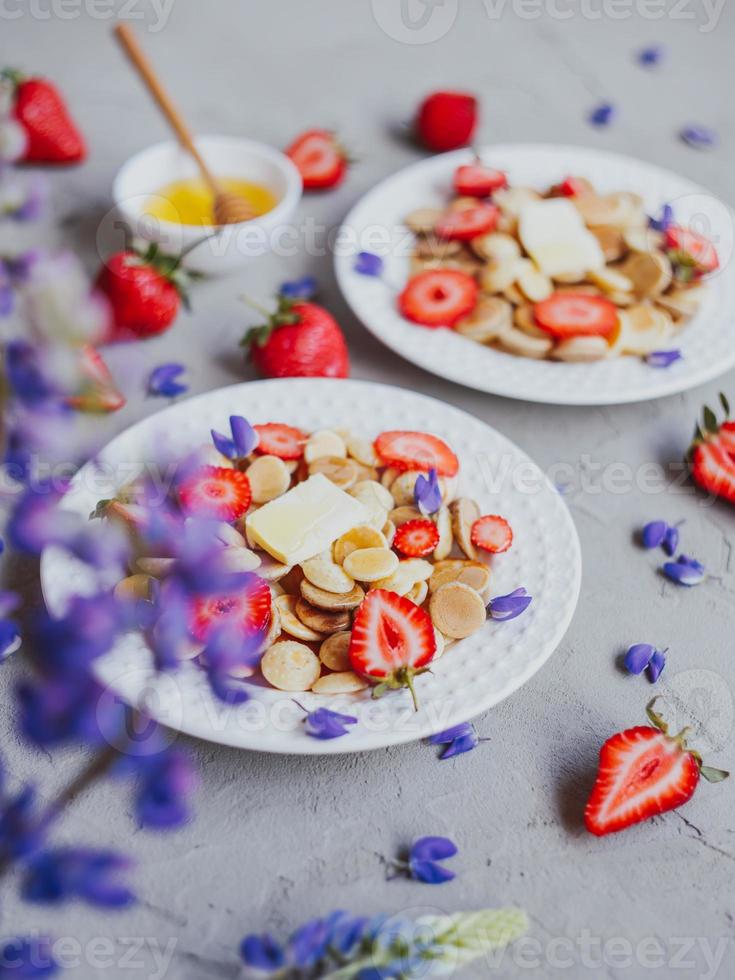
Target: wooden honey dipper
<point>229,208</point>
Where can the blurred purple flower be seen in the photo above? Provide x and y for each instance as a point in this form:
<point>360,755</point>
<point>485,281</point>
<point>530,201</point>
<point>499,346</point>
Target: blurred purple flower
<point>602,115</point>
<point>27,959</point>
<point>299,289</point>
<point>700,137</point>
<point>28,375</point>
<point>61,708</point>
<point>229,647</point>
<point>326,724</point>
<point>685,571</point>
<point>458,740</point>
<point>22,196</point>
<point>20,831</point>
<point>56,876</point>
<point>424,856</point>
<point>85,631</point>
<point>244,439</point>
<point>509,606</point>
<point>368,264</point>
<point>663,358</point>
<point>651,56</point>
<point>162,381</point>
<point>58,303</point>
<point>427,494</point>
<point>262,953</point>
<point>664,221</point>
<point>166,782</point>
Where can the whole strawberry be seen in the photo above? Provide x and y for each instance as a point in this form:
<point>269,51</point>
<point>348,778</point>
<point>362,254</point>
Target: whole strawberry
<point>712,454</point>
<point>145,291</point>
<point>52,135</point>
<point>446,120</point>
<point>299,340</point>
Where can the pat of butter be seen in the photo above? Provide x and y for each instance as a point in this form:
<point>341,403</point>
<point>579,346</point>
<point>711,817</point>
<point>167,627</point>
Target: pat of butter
<point>305,521</point>
<point>557,239</point>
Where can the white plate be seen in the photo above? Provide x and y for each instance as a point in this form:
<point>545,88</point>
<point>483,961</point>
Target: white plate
<point>375,224</point>
<point>472,675</point>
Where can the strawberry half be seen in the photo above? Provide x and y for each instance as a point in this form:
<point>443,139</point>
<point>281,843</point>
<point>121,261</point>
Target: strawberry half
<point>52,135</point>
<point>277,439</point>
<point>692,255</point>
<point>98,393</point>
<point>319,158</point>
<point>416,539</point>
<point>438,297</point>
<point>477,180</point>
<point>250,606</point>
<point>492,533</point>
<point>217,492</point>
<point>711,456</point>
<point>464,224</point>
<point>576,315</point>
<point>643,772</point>
<point>392,642</point>
<point>446,120</point>
<point>416,451</point>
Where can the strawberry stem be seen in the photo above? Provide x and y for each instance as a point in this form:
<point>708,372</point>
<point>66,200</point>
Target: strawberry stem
<point>409,684</point>
<point>258,307</point>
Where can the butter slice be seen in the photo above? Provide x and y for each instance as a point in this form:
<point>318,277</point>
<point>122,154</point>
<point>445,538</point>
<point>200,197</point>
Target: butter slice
<point>305,521</point>
<point>557,239</point>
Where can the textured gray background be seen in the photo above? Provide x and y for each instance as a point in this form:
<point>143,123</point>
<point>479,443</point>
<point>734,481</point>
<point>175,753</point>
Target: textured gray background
<point>278,839</point>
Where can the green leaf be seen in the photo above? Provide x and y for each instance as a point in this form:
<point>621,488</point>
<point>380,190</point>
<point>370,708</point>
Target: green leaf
<point>713,775</point>
<point>710,420</point>
<point>467,936</point>
<point>725,404</point>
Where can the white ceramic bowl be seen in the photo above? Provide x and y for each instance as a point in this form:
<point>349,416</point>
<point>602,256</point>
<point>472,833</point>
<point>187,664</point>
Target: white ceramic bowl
<point>233,246</point>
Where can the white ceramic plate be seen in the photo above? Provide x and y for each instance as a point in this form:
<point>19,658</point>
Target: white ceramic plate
<point>375,224</point>
<point>471,677</point>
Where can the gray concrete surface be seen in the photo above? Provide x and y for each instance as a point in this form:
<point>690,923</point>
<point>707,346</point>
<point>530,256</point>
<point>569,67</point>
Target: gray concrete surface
<point>277,839</point>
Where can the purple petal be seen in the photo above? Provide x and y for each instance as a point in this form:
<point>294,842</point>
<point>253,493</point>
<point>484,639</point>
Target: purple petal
<point>466,743</point>
<point>683,573</point>
<point>671,541</point>
<point>368,264</point>
<point>663,358</point>
<point>509,606</point>
<point>655,667</point>
<point>603,115</point>
<point>299,289</point>
<point>427,493</point>
<point>326,724</point>
<point>162,381</point>
<point>430,873</point>
<point>651,56</point>
<point>262,953</point>
<point>638,657</point>
<point>432,849</point>
<point>654,533</point>
<point>449,735</point>
<point>664,221</point>
<point>699,137</point>
<point>223,444</point>
<point>691,562</point>
<point>244,436</point>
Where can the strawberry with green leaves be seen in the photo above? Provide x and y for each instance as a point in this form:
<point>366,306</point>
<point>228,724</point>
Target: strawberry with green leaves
<point>711,456</point>
<point>52,136</point>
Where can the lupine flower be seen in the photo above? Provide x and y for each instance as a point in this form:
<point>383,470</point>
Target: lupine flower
<point>14,273</point>
<point>603,115</point>
<point>644,656</point>
<point>59,305</point>
<point>20,831</point>
<point>651,56</point>
<point>664,221</point>
<point>162,381</point>
<point>27,959</point>
<point>262,953</point>
<point>244,439</point>
<point>22,196</point>
<point>427,493</point>
<point>369,264</point>
<point>653,534</point>
<point>509,606</point>
<point>55,876</point>
<point>656,666</point>
<point>228,647</point>
<point>86,630</point>
<point>671,541</point>
<point>166,782</point>
<point>458,740</point>
<point>9,631</point>
<point>326,724</point>
<point>300,289</point>
<point>700,137</point>
<point>423,858</point>
<point>28,375</point>
<point>685,571</point>
<point>663,358</point>
<point>63,708</point>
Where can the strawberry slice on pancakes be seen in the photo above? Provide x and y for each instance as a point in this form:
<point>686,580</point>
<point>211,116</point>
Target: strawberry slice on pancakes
<point>576,315</point>
<point>438,297</point>
<point>392,642</point>
<point>277,439</point>
<point>477,180</point>
<point>249,607</point>
<point>463,224</point>
<point>217,492</point>
<point>492,533</point>
<point>406,450</point>
<point>416,539</point>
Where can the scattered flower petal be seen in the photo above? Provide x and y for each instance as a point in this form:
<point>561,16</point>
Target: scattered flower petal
<point>603,115</point>
<point>244,439</point>
<point>299,289</point>
<point>369,264</point>
<point>509,606</point>
<point>700,137</point>
<point>458,740</point>
<point>656,665</point>
<point>427,493</point>
<point>651,56</point>
<point>326,724</point>
<point>638,657</point>
<point>56,876</point>
<point>663,358</point>
<point>423,858</point>
<point>664,221</point>
<point>654,533</point>
<point>671,541</point>
<point>162,381</point>
<point>685,571</point>
<point>262,953</point>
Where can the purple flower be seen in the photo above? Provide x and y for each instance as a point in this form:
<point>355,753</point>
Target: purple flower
<point>427,494</point>
<point>651,56</point>
<point>699,137</point>
<point>663,358</point>
<point>27,959</point>
<point>87,629</point>
<point>20,830</point>
<point>602,115</point>
<point>326,724</point>
<point>458,740</point>
<point>671,541</point>
<point>262,953</point>
<point>664,221</point>
<point>424,856</point>
<point>167,780</point>
<point>644,656</point>
<point>28,375</point>
<point>368,264</point>
<point>22,196</point>
<point>244,439</point>
<point>299,289</point>
<point>509,606</point>
<point>162,381</point>
<point>63,707</point>
<point>56,876</point>
<point>9,638</point>
<point>654,533</point>
<point>228,647</point>
<point>58,303</point>
<point>37,522</point>
<point>685,571</point>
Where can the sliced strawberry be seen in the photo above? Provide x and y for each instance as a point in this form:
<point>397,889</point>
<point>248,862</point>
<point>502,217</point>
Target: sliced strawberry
<point>727,437</point>
<point>250,606</point>
<point>277,439</point>
<point>416,451</point>
<point>477,180</point>
<point>492,533</point>
<point>217,492</point>
<point>98,392</point>
<point>392,641</point>
<point>319,158</point>
<point>438,297</point>
<point>570,187</point>
<point>713,468</point>
<point>576,315</point>
<point>689,250</point>
<point>463,224</point>
<point>415,539</point>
